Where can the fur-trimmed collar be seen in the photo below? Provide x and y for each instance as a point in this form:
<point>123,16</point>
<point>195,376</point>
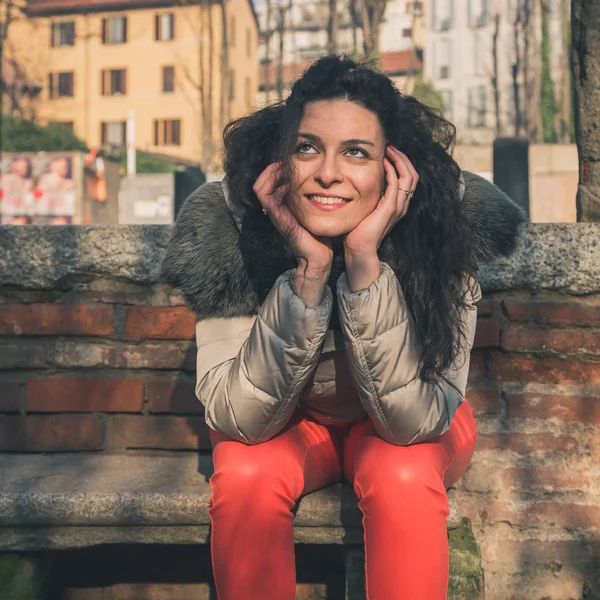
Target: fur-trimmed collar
<point>223,271</point>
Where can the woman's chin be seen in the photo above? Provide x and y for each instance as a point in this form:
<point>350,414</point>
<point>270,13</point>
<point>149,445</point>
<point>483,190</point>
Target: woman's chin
<point>328,227</point>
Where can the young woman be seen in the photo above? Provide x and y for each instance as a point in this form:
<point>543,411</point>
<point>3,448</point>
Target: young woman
<point>333,273</point>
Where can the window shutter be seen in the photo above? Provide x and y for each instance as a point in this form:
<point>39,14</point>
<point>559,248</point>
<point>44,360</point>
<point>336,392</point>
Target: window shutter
<point>172,20</point>
<point>104,31</point>
<point>52,29</point>
<point>157,27</point>
<point>123,74</point>
<point>71,84</point>
<point>103,82</point>
<point>155,132</point>
<point>124,29</point>
<point>124,134</point>
<point>102,133</point>
<point>50,86</point>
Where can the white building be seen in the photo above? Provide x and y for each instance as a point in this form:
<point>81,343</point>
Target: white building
<point>305,37</point>
<point>459,61</point>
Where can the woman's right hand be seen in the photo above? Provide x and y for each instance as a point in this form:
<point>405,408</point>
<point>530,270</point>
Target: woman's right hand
<point>314,254</point>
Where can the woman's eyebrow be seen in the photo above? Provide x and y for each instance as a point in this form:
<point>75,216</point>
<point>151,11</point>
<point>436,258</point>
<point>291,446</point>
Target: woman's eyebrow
<point>316,138</point>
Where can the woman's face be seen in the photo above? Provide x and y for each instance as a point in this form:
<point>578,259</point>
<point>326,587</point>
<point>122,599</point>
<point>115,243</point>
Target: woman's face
<point>338,170</point>
<point>59,167</point>
<point>20,167</point>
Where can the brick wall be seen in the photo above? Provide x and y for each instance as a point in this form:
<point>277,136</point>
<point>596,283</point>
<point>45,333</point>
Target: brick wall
<point>95,356</point>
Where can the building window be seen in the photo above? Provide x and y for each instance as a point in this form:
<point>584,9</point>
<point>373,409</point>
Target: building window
<point>62,34</point>
<point>61,85</point>
<point>442,15</point>
<point>407,32</point>
<point>248,43</point>
<point>167,132</point>
<point>168,78</point>
<point>232,32</point>
<point>443,54</point>
<point>477,106</point>
<point>414,8</point>
<point>114,134</point>
<point>114,82</point>
<point>447,99</point>
<point>164,27</point>
<point>478,13</point>
<point>231,84</point>
<point>114,30</point>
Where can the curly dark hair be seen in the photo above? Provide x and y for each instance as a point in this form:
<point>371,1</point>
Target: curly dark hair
<point>429,248</point>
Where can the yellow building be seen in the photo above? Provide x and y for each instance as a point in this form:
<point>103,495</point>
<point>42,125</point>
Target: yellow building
<point>101,60</point>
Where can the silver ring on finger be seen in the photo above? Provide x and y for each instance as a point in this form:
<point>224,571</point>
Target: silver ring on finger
<point>265,211</point>
<point>407,192</point>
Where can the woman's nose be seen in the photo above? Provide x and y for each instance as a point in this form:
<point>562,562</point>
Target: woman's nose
<point>328,172</point>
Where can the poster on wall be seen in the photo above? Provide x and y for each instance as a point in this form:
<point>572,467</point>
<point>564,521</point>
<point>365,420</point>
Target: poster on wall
<point>37,189</point>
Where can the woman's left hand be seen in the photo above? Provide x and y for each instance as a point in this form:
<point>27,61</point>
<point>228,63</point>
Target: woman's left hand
<point>362,243</point>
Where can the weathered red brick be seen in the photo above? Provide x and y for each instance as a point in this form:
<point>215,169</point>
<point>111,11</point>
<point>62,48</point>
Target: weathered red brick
<point>540,478</point>
<point>484,401</point>
<point>487,333</point>
<point>169,433</point>
<point>173,397</point>
<point>557,514</point>
<point>175,323</point>
<point>485,308</point>
<point>61,394</point>
<point>521,338</point>
<point>22,355</point>
<point>50,433</point>
<point>477,368</point>
<point>73,353</point>
<point>55,319</point>
<point>527,443</point>
<point>583,409</point>
<point>524,369</point>
<point>10,394</point>
<point>165,355</point>
<point>558,313</point>
<point>159,355</point>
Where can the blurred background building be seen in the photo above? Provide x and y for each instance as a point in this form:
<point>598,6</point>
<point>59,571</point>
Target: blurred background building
<point>149,85</point>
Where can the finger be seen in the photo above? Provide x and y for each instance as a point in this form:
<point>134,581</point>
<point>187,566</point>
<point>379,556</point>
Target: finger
<point>404,173</point>
<point>389,199</point>
<point>411,168</point>
<point>265,183</point>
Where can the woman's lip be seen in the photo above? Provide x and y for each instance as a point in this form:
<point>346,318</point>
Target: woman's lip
<point>335,206</point>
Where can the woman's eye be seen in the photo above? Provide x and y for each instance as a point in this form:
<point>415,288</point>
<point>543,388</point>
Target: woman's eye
<point>305,148</point>
<point>353,152</point>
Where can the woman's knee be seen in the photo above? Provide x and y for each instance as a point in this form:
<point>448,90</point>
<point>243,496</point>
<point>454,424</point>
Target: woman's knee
<point>393,480</point>
<point>252,474</point>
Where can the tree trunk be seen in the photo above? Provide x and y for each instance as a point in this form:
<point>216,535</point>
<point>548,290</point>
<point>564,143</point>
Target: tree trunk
<point>585,27</point>
<point>268,33</point>
<point>355,26</point>
<point>566,109</point>
<point>332,27</point>
<point>225,75</point>
<point>4,25</point>
<point>516,69</point>
<point>281,32</point>
<point>495,85</point>
<point>372,12</point>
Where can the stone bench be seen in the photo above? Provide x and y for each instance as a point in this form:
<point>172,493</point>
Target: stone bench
<point>59,502</point>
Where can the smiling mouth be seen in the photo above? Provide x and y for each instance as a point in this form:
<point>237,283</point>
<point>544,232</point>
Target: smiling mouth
<point>327,200</point>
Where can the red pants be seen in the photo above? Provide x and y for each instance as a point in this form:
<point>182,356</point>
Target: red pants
<point>401,492</point>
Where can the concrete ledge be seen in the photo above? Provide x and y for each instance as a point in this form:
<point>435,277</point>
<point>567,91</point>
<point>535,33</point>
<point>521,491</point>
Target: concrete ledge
<point>70,501</point>
<point>563,257</point>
